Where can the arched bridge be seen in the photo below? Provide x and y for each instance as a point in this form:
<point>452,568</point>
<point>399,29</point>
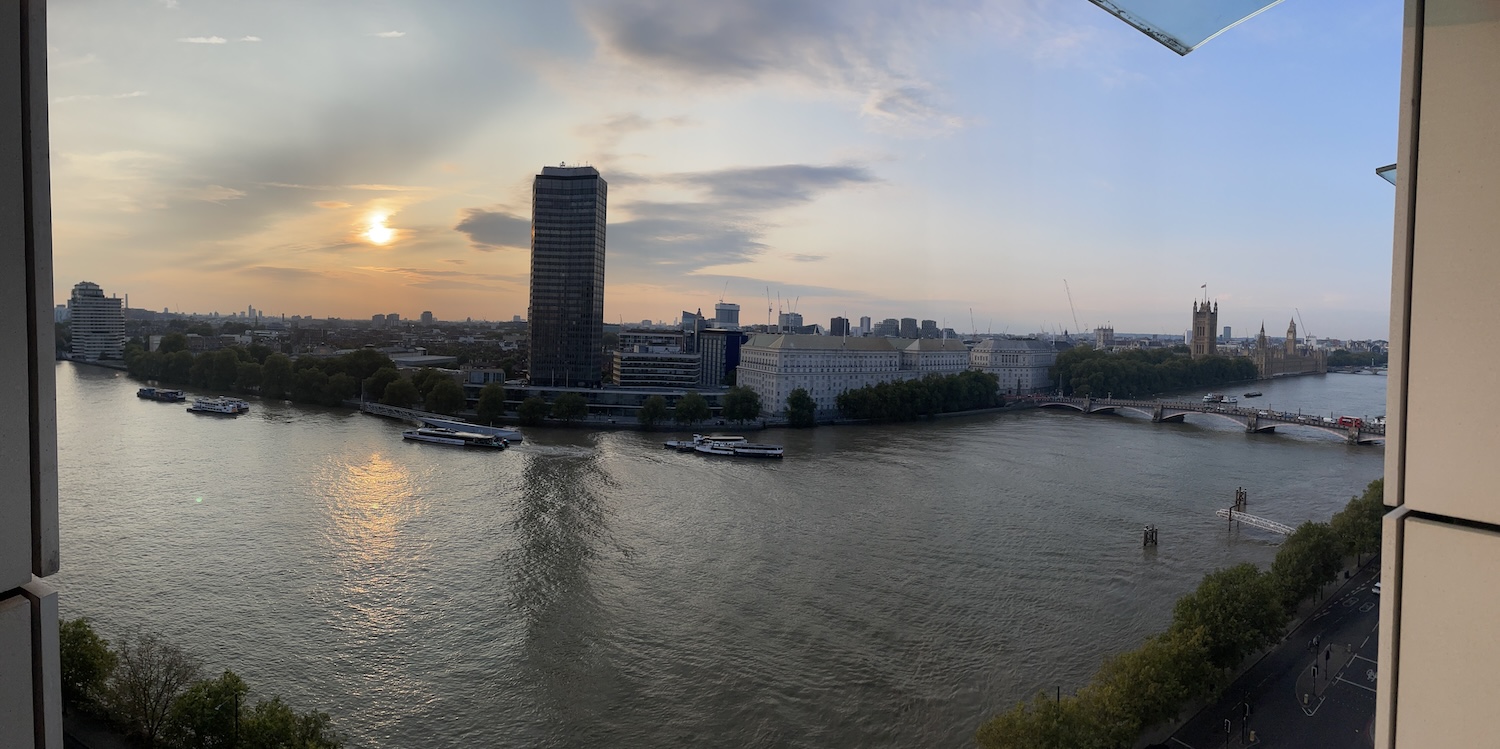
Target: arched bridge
<point>1253,420</point>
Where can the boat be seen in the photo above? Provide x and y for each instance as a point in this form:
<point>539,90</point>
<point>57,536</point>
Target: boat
<point>1253,394</point>
<point>166,396</point>
<point>509,435</point>
<point>219,406</point>
<point>1213,398</point>
<point>442,436</point>
<point>735,446</point>
<point>698,439</point>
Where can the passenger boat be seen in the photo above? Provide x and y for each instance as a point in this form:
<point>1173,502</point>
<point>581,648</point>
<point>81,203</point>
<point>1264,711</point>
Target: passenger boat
<point>698,439</point>
<point>441,436</point>
<point>1213,398</point>
<point>219,406</point>
<point>167,396</point>
<point>737,447</point>
<point>1253,394</point>
<point>509,435</point>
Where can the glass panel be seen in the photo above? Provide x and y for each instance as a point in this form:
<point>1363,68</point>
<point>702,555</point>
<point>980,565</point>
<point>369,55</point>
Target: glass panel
<point>1388,172</point>
<point>1184,25</point>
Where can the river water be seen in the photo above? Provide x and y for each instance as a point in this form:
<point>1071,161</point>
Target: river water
<point>881,586</point>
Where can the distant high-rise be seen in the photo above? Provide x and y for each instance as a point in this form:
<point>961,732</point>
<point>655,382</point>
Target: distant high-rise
<point>908,327</point>
<point>1228,333</point>
<point>97,323</point>
<point>838,326</point>
<point>929,329</point>
<point>727,316</point>
<point>566,318</point>
<point>888,328</point>
<point>864,325</point>
<point>427,317</point>
<point>789,320</point>
<point>391,318</point>
<point>1205,321</point>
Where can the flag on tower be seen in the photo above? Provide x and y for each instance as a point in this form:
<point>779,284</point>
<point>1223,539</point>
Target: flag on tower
<point>1204,286</point>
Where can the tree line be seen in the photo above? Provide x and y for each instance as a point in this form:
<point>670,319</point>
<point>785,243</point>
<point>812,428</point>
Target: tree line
<point>327,381</point>
<point>1234,613</point>
<point>905,400</point>
<point>155,692</point>
<point>1346,358</point>
<point>1138,373</point>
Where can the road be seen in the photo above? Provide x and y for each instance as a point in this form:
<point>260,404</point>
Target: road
<point>1301,696</point>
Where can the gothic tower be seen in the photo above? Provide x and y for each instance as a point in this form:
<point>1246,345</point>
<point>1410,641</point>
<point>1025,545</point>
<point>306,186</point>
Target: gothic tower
<point>1291,338</point>
<point>1205,327</point>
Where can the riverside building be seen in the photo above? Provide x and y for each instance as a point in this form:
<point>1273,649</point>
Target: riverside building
<point>1022,365</point>
<point>97,323</point>
<point>566,318</point>
<point>825,366</point>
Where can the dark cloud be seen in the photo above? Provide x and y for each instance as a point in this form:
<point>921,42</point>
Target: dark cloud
<point>491,230</point>
<point>775,186</point>
<point>808,258</point>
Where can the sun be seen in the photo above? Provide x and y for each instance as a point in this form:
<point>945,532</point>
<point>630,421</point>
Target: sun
<point>378,232</point>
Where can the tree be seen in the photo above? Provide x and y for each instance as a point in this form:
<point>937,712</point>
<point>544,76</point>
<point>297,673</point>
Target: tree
<point>149,676</point>
<point>275,376</point>
<point>247,377</point>
<point>340,387</point>
<point>1238,610</point>
<point>570,406</point>
<point>223,368</point>
<point>309,385</point>
<point>401,394</point>
<point>533,410</point>
<point>445,396</point>
<point>171,343</point>
<point>801,411</point>
<point>375,384</point>
<point>1310,557</point>
<point>491,403</point>
<point>179,367</point>
<point>691,408</point>
<point>272,723</point>
<point>86,662</point>
<point>206,716</point>
<point>1358,525</point>
<point>741,404</point>
<point>653,411</point>
<point>425,378</point>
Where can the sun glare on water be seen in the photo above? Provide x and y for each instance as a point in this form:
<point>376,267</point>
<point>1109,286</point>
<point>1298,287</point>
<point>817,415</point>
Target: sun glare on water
<point>378,232</point>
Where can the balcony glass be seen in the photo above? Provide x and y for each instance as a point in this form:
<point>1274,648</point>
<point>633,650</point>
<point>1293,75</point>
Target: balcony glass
<point>1184,25</point>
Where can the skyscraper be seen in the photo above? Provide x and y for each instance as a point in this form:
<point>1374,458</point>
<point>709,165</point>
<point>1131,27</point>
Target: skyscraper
<point>909,327</point>
<point>566,319</point>
<point>98,323</point>
<point>838,326</point>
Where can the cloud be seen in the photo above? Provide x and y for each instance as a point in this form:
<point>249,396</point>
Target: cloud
<point>801,258</point>
<point>284,275</point>
<point>213,194</point>
<point>389,34</point>
<point>493,229</point>
<point>169,4</point>
<point>204,40</point>
<point>333,204</point>
<point>250,39</point>
<point>97,97</point>
<point>774,186</point>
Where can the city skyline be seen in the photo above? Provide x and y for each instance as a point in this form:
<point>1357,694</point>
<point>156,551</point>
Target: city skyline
<point>917,162</point>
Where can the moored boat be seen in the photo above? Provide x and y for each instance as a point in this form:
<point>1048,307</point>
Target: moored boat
<point>756,450</point>
<point>219,406</point>
<point>736,447</point>
<point>158,394</point>
<point>442,436</point>
<point>1253,394</point>
<point>698,439</point>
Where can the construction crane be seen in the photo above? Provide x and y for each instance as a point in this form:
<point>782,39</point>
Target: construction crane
<point>1305,332</point>
<point>768,309</point>
<point>1070,304</point>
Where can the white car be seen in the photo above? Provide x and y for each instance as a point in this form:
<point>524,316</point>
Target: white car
<point>1375,589</point>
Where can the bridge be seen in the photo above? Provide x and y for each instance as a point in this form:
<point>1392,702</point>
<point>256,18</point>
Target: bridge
<point>1256,421</point>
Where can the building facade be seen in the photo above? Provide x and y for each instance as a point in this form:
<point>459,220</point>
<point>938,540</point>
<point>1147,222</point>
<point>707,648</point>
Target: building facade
<point>838,326</point>
<point>727,316</point>
<point>1288,358</point>
<point>909,328</point>
<point>97,323</point>
<point>775,365</point>
<point>1021,365</point>
<point>1104,338</point>
<point>566,317</point>
<point>1203,338</point>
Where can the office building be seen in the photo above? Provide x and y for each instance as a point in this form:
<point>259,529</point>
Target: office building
<point>775,365</point>
<point>864,325</point>
<point>788,321</point>
<point>566,318</point>
<point>888,328</point>
<point>718,355</point>
<point>1228,333</point>
<point>909,328</point>
<point>929,329</point>
<point>838,326</point>
<point>1021,365</point>
<point>427,317</point>
<point>97,323</point>
<point>727,316</point>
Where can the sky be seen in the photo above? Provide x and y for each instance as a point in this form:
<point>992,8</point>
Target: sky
<point>975,162</point>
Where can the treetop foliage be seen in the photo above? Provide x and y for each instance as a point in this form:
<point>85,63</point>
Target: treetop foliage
<point>1138,373</point>
<point>905,400</point>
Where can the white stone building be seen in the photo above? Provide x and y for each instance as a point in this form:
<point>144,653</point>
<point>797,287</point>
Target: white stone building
<point>825,366</point>
<point>1022,365</point>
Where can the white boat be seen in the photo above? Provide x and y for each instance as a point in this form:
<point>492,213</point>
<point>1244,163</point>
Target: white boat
<point>441,436</point>
<point>219,406</point>
<point>509,435</point>
<point>698,439</point>
<point>756,450</point>
<point>715,448</point>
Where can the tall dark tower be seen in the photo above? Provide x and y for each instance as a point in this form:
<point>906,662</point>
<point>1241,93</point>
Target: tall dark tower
<point>566,319</point>
<point>1205,324</point>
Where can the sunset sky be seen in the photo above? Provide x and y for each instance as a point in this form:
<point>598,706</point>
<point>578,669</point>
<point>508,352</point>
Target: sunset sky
<point>856,157</point>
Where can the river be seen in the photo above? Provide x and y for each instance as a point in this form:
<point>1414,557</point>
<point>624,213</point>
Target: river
<point>881,586</point>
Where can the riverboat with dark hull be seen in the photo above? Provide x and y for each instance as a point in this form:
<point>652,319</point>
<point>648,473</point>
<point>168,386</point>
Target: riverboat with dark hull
<point>452,438</point>
<point>158,394</point>
<point>219,406</point>
<point>1253,394</point>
